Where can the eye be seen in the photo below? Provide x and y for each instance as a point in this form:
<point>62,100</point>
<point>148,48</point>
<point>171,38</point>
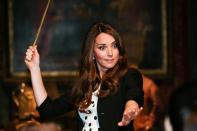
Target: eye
<point>101,47</point>
<point>115,45</point>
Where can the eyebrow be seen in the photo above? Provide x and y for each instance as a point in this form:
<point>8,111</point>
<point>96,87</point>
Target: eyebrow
<point>105,44</point>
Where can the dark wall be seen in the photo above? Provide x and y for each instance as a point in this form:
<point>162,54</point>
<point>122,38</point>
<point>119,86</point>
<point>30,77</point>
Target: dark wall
<point>4,92</point>
<point>184,38</point>
<point>3,26</point>
<point>192,38</point>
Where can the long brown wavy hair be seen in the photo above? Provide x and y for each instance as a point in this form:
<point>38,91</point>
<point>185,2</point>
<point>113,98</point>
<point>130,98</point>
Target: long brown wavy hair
<point>89,79</point>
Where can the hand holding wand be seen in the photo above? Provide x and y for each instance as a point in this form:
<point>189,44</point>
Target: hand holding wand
<point>39,29</point>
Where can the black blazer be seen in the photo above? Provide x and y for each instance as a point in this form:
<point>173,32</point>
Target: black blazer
<point>110,109</point>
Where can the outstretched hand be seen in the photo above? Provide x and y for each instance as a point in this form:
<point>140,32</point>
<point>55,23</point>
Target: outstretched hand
<point>131,111</point>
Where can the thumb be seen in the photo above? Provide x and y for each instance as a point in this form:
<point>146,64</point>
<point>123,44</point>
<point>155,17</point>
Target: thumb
<point>120,123</point>
<point>35,50</point>
<point>123,122</point>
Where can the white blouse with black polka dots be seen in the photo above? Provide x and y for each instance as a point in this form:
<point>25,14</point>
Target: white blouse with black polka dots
<point>91,120</point>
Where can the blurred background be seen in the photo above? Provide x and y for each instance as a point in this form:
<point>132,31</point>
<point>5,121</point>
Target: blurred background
<point>161,37</point>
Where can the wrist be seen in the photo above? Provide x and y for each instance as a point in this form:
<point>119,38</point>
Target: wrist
<point>35,69</point>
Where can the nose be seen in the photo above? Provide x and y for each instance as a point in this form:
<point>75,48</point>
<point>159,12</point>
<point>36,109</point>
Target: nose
<point>110,52</point>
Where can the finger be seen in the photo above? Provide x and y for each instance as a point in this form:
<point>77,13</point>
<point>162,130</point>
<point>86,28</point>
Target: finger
<point>35,47</point>
<point>28,58</point>
<point>137,112</point>
<point>28,53</point>
<point>120,123</point>
<point>141,108</point>
<point>127,117</point>
<point>125,120</point>
<point>32,50</point>
<point>129,114</point>
<point>123,123</point>
<point>35,50</point>
<point>31,47</point>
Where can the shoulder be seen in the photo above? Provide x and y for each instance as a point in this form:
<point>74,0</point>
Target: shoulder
<point>131,72</point>
<point>131,76</point>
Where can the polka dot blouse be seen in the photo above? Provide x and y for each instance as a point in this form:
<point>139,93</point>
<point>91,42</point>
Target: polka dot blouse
<point>91,120</point>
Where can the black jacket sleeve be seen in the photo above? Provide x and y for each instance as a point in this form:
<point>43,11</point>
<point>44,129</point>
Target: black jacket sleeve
<point>133,84</point>
<point>52,108</point>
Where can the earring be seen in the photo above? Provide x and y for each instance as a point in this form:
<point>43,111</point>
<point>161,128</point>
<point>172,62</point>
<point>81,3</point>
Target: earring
<point>94,58</point>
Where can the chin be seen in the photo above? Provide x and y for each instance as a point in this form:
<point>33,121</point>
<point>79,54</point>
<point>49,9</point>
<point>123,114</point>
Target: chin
<point>110,66</point>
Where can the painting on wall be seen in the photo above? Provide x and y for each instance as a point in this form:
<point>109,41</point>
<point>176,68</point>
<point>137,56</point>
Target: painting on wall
<point>142,25</point>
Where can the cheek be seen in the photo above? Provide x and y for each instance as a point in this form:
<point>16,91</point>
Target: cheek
<point>99,54</point>
<point>116,54</point>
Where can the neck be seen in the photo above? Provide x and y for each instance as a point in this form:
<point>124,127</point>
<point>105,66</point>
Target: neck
<point>102,72</point>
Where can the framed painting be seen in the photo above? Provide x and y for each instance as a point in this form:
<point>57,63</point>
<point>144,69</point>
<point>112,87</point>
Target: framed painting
<point>142,25</point>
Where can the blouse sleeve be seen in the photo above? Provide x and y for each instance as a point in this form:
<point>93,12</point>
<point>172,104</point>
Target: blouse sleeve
<point>52,108</point>
<point>133,84</point>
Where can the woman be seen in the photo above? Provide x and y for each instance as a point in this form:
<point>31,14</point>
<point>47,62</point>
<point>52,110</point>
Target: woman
<point>107,95</point>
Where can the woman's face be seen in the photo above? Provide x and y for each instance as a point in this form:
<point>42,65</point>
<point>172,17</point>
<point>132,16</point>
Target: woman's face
<point>106,52</point>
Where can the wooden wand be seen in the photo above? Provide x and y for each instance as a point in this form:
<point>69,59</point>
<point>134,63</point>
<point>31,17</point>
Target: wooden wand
<point>41,23</point>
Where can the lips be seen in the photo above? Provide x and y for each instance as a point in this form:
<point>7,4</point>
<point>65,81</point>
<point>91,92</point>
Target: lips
<point>109,60</point>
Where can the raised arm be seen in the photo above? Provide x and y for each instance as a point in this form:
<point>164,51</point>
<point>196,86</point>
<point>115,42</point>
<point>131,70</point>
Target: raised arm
<point>32,60</point>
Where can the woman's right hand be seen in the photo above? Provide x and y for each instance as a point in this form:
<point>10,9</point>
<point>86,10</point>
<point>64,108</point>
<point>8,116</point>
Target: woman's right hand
<point>32,58</point>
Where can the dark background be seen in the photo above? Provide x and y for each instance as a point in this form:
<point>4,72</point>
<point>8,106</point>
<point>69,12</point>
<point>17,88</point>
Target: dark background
<point>138,22</point>
<point>182,38</point>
